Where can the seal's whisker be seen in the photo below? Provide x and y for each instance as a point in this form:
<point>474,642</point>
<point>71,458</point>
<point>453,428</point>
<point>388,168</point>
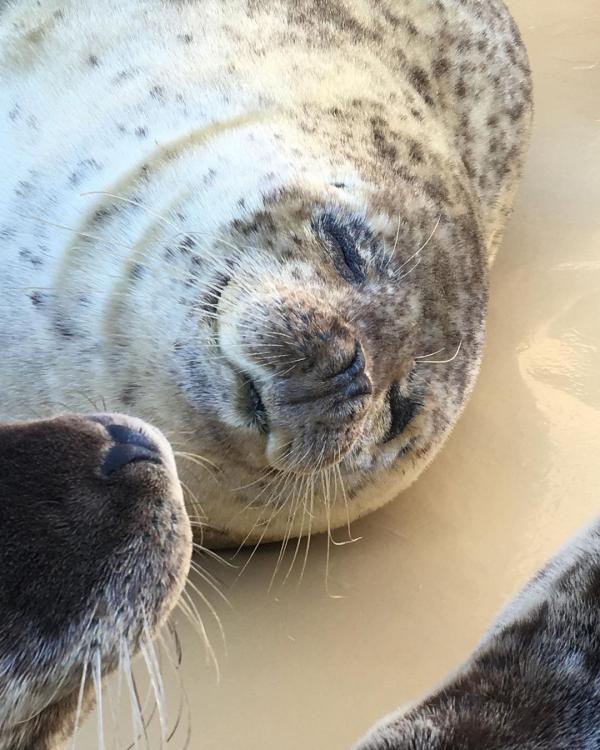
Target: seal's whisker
<point>261,478</point>
<point>210,608</point>
<point>149,656</point>
<point>201,460</point>
<point>183,696</point>
<point>351,538</point>
<point>288,529</point>
<point>194,501</point>
<point>410,270</point>
<point>97,679</point>
<point>85,235</point>
<point>139,727</point>
<point>308,536</point>
<point>423,246</point>
<point>206,465</point>
<point>207,578</point>
<point>213,555</point>
<point>442,361</point>
<point>437,351</point>
<point>78,710</point>
<point>392,254</point>
<point>115,705</point>
<point>298,541</point>
<point>189,609</point>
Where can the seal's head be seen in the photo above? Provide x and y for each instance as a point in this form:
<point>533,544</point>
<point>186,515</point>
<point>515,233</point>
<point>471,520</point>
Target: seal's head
<point>328,350</point>
<point>94,547</point>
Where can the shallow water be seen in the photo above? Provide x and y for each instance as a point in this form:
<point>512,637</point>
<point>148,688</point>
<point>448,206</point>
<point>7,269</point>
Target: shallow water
<point>311,669</point>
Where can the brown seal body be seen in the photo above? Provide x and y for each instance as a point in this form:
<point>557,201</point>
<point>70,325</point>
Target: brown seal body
<point>265,227</point>
<point>95,546</point>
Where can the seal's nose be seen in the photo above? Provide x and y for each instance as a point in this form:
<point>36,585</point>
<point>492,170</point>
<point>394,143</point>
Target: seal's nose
<point>335,377</point>
<point>352,381</point>
<point>130,446</point>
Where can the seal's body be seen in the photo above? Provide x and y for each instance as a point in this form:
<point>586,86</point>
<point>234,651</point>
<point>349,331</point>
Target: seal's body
<point>95,545</point>
<point>264,226</point>
<point>533,683</point>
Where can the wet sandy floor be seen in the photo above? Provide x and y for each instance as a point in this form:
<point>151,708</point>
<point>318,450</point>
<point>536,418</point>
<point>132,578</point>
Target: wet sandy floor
<point>310,669</point>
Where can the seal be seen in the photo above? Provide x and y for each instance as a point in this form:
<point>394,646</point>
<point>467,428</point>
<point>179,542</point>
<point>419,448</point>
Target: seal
<point>95,546</point>
<point>263,226</point>
<point>533,681</point>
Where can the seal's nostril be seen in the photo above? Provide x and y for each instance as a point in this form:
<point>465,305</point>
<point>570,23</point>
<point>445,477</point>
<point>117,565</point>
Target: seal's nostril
<point>121,455</point>
<point>359,386</point>
<point>121,433</point>
<point>131,446</point>
<point>352,368</point>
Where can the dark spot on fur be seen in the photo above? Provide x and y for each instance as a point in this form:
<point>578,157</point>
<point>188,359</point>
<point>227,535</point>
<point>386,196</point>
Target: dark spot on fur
<point>415,152</point>
<point>29,256</point>
<point>185,38</point>
<point>440,67</point>
<point>380,133</point>
<point>23,189</point>
<point>63,328</point>
<point>436,189</point>
<point>141,131</point>
<point>83,167</point>
<point>516,112</point>
<point>93,61</point>
<point>421,83</point>
<point>137,271</point>
<point>37,298</point>
<point>461,89</point>
<point>157,92</point>
<point>187,244</point>
<point>410,27</point>
<point>101,214</point>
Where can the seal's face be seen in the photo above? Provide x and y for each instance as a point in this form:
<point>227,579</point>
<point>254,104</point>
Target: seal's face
<point>94,547</point>
<point>329,352</point>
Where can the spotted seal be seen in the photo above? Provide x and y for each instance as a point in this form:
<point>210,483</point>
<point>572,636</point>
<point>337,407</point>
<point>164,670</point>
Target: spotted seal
<point>533,682</point>
<point>265,226</point>
<point>95,545</point>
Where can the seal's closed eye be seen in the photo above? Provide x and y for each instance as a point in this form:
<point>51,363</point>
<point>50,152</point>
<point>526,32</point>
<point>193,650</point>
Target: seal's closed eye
<point>343,238</point>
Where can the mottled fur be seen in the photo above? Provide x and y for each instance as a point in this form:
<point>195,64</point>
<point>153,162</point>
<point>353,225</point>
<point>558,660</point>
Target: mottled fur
<point>91,563</point>
<point>533,683</point>
<point>283,185</point>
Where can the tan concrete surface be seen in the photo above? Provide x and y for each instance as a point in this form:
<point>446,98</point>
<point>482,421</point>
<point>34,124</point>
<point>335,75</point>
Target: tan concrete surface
<point>310,669</point>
